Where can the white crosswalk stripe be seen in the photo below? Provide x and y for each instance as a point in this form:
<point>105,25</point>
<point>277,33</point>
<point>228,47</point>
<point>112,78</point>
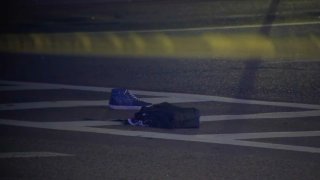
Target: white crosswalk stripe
<point>238,139</point>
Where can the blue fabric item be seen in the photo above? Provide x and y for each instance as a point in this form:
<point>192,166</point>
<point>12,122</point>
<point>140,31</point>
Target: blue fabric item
<point>166,115</point>
<point>135,122</point>
<point>122,99</point>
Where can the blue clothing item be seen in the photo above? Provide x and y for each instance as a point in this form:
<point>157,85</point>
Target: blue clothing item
<point>135,122</point>
<point>122,99</point>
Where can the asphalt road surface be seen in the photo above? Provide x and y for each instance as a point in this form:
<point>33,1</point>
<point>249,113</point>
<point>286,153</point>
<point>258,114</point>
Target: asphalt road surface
<point>102,153</point>
<point>119,15</point>
<point>259,119</point>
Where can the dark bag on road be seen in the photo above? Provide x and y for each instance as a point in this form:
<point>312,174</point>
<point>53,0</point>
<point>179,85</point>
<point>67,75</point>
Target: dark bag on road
<point>165,115</point>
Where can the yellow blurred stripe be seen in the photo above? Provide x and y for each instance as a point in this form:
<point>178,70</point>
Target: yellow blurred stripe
<point>235,46</point>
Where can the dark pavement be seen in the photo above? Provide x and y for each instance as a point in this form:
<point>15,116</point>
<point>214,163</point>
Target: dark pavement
<point>96,152</point>
<point>101,156</point>
<point>118,15</point>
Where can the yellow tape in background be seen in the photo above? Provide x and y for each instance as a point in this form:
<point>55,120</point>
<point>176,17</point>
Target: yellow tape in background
<point>235,46</point>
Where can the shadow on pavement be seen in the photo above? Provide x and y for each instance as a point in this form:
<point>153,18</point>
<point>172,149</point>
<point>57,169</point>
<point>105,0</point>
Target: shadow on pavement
<point>247,82</point>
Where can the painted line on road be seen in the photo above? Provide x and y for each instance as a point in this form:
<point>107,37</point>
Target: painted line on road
<point>22,86</point>
<point>25,88</point>
<point>271,115</point>
<point>238,139</point>
<point>261,135</point>
<point>91,123</point>
<point>180,97</point>
<point>168,97</point>
<point>30,154</point>
<point>50,104</point>
<point>221,27</point>
<point>82,103</point>
<point>214,138</point>
<point>227,139</point>
<point>207,118</point>
<point>274,146</point>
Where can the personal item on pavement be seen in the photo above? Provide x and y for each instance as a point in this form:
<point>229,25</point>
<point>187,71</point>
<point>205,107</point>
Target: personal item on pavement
<point>166,115</point>
<point>122,99</point>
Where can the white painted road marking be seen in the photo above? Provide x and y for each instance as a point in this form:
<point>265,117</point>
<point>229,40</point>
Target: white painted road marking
<point>227,139</point>
<point>81,103</point>
<point>173,97</point>
<point>206,118</point>
<point>239,139</point>
<point>271,115</point>
<point>164,97</point>
<point>222,27</point>
<point>50,104</point>
<point>30,154</point>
